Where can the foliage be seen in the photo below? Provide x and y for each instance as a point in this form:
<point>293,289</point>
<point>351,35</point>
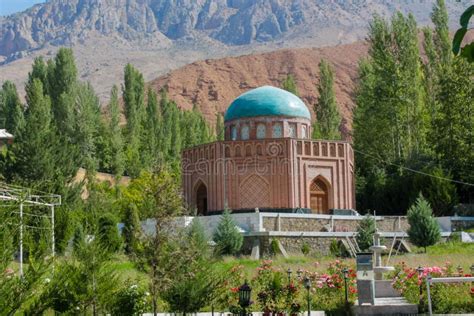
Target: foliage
<point>305,249</point>
<point>424,230</point>
<point>445,298</point>
<point>468,50</point>
<point>108,233</point>
<point>227,237</point>
<point>328,118</point>
<point>274,247</point>
<point>131,299</point>
<point>365,232</point>
<point>11,109</point>
<point>131,229</point>
<point>289,84</point>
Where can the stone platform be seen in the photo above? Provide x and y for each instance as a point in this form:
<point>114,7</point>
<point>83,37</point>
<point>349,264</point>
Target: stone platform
<point>386,306</point>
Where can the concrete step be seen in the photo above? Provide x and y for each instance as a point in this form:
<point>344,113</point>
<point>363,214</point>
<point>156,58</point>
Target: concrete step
<point>383,288</point>
<point>386,306</point>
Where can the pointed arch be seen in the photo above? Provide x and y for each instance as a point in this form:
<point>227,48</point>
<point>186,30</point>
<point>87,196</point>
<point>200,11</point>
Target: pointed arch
<point>200,197</point>
<point>319,195</point>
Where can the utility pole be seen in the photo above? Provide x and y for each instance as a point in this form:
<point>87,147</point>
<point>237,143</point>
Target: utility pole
<point>21,240</point>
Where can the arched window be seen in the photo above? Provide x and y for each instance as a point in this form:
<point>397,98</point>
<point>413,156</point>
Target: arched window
<point>277,130</point>
<point>260,131</point>
<point>244,134</point>
<point>304,132</point>
<point>292,129</point>
<point>233,133</point>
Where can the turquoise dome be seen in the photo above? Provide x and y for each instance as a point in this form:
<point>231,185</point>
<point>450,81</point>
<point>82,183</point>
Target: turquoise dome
<point>267,101</point>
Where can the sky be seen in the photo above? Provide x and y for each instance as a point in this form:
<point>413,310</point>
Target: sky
<point>11,6</point>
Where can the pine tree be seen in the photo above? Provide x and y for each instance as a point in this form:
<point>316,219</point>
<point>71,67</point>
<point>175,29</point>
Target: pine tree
<point>289,84</point>
<point>197,237</point>
<point>11,109</point>
<point>108,234</point>
<point>424,230</point>
<point>227,238</point>
<point>365,233</point>
<point>328,118</point>
<point>219,127</point>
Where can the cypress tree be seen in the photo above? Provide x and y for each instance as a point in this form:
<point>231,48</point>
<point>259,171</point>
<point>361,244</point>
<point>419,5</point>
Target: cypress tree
<point>365,233</point>
<point>34,157</point>
<point>131,229</point>
<point>439,16</point>
<point>219,127</point>
<point>328,118</point>
<point>39,71</point>
<point>289,84</point>
<point>11,109</point>
<point>424,229</point>
<point>116,160</point>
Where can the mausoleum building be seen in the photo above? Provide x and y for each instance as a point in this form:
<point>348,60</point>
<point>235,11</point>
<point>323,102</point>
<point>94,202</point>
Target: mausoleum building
<point>269,161</point>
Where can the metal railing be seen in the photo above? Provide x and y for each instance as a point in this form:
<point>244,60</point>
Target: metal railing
<point>430,280</point>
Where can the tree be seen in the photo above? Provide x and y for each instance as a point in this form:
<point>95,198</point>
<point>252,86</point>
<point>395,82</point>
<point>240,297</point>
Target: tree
<point>220,130</point>
<point>158,255</point>
<point>289,84</point>
<point>328,118</point>
<point>454,123</point>
<point>439,16</point>
<point>424,230</point>
<point>365,233</point>
<point>115,160</point>
<point>108,233</point>
<point>134,96</point>
<point>11,109</point>
<point>131,229</point>
<point>227,237</point>
<point>197,237</point>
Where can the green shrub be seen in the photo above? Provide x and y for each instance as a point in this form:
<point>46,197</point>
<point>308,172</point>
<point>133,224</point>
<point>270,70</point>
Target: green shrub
<point>365,232</point>
<point>424,230</point>
<point>305,248</point>
<point>131,229</point>
<point>227,238</point>
<point>274,249</point>
<point>109,236</point>
<point>335,248</point>
<point>129,300</point>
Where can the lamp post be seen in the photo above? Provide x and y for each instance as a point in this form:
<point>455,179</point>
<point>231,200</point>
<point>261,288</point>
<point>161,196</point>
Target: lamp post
<point>244,297</point>
<point>307,285</point>
<point>459,270</point>
<point>346,274</point>
<point>420,271</point>
<point>289,272</point>
<point>299,272</point>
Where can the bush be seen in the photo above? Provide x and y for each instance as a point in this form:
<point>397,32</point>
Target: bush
<point>129,300</point>
<point>109,236</point>
<point>335,248</point>
<point>305,248</point>
<point>274,249</point>
<point>424,230</point>
<point>365,232</point>
<point>227,238</point>
<point>131,229</point>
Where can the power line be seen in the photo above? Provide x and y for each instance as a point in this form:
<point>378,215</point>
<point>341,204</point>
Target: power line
<point>415,171</point>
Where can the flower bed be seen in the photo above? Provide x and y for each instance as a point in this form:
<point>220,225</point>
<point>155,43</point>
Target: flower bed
<point>274,294</point>
<point>445,298</point>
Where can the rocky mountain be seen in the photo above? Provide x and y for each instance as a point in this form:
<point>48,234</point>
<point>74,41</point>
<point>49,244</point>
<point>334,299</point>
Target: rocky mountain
<point>213,84</point>
<point>161,35</point>
<point>231,22</point>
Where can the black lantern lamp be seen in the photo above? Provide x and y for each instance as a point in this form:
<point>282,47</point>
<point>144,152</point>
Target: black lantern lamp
<point>420,271</point>
<point>307,285</point>
<point>289,272</point>
<point>244,297</point>
<point>345,271</point>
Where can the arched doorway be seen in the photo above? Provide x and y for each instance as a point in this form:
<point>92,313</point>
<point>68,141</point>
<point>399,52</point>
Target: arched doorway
<point>319,196</point>
<point>201,199</point>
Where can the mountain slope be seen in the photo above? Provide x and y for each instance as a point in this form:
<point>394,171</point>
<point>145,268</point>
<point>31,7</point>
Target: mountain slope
<point>213,84</point>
